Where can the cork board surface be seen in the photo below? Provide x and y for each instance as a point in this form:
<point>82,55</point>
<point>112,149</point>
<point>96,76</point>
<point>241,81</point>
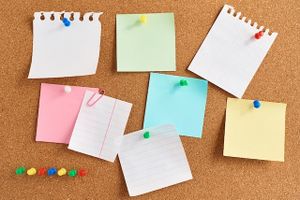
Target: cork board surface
<point>215,176</point>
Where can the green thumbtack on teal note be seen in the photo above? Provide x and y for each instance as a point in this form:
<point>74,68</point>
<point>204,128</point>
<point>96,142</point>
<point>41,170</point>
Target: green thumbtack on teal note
<point>183,82</point>
<point>20,170</point>
<point>146,135</point>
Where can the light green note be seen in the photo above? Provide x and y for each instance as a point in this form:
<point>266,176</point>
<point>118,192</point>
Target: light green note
<point>146,42</point>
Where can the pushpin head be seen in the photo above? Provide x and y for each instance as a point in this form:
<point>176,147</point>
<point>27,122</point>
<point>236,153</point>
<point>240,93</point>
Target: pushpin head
<point>143,19</point>
<point>62,172</point>
<point>72,172</point>
<point>146,135</point>
<point>67,89</point>
<point>183,82</point>
<point>20,170</point>
<point>42,171</point>
<point>259,35</point>
<point>31,171</point>
<point>51,171</point>
<point>66,22</point>
<point>82,172</point>
<point>256,104</point>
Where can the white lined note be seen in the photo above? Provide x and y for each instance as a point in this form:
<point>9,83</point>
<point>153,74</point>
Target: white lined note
<point>153,163</point>
<point>230,55</point>
<point>99,128</point>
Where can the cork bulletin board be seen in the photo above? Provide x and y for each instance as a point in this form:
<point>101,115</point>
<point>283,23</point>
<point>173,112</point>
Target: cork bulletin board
<point>214,176</point>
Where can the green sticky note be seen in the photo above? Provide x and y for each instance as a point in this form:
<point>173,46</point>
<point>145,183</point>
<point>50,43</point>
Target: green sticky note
<point>147,44</point>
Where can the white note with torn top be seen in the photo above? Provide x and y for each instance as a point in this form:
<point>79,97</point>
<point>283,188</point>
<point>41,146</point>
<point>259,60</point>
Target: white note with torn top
<point>65,51</point>
<point>100,126</point>
<point>153,163</point>
<point>230,55</point>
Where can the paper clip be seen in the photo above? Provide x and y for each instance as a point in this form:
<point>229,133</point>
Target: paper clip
<point>101,92</point>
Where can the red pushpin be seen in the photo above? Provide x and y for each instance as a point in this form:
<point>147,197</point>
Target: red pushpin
<point>42,171</point>
<point>82,172</point>
<point>258,35</point>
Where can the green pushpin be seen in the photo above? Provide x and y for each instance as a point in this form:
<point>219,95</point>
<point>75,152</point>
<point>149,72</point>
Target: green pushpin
<point>183,82</point>
<point>146,135</point>
<point>72,172</point>
<point>20,170</point>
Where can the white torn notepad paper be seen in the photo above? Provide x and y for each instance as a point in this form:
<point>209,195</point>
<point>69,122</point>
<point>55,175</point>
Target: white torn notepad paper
<point>100,126</point>
<point>153,163</point>
<point>230,55</point>
<point>65,51</point>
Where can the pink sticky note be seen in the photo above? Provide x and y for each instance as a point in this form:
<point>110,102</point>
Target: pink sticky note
<point>58,111</point>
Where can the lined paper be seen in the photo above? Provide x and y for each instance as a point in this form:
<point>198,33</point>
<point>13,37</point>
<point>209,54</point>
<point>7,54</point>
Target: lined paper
<point>230,55</point>
<point>154,163</point>
<point>99,128</point>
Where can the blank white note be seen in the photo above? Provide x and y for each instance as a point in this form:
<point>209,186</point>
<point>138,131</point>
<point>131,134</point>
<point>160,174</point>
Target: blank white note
<point>153,163</point>
<point>60,51</point>
<point>99,128</point>
<point>230,55</point>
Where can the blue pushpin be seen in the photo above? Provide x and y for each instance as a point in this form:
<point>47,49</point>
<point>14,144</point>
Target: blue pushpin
<point>66,22</point>
<point>256,104</point>
<point>52,171</point>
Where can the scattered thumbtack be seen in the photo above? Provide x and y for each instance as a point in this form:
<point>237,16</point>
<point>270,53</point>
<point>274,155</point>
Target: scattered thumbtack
<point>183,82</point>
<point>256,104</point>
<point>146,135</point>
<point>52,171</point>
<point>66,22</point>
<point>143,19</point>
<point>72,172</point>
<point>31,171</point>
<point>67,89</point>
<point>82,172</point>
<point>20,170</point>
<point>62,172</point>
<point>259,35</point>
<point>42,171</point>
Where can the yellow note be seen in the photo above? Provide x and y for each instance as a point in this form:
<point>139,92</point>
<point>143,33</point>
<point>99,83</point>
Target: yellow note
<point>255,133</point>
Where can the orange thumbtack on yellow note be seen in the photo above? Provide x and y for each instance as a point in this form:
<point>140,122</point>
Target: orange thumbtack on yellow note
<point>255,133</point>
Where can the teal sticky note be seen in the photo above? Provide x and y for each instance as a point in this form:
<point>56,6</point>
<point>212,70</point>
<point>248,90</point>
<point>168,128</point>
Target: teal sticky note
<point>176,100</point>
<point>147,45</point>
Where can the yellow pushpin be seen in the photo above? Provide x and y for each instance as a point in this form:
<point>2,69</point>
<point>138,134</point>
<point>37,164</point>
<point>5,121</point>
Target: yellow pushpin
<point>143,19</point>
<point>62,172</point>
<point>31,171</point>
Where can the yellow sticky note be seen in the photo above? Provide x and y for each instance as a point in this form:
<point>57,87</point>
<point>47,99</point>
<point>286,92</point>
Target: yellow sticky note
<point>255,133</point>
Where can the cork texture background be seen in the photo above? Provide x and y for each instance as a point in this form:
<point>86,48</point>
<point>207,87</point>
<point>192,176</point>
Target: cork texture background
<point>215,176</point>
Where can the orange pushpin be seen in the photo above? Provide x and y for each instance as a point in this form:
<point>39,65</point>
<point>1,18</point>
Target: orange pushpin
<point>258,35</point>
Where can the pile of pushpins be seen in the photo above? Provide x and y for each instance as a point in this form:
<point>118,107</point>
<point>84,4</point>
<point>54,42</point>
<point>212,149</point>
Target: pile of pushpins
<point>50,172</point>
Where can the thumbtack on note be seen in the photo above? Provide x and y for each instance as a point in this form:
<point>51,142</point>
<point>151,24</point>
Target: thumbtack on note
<point>66,22</point>
<point>155,163</point>
<point>259,35</point>
<point>254,133</point>
<point>256,104</point>
<point>58,111</point>
<point>183,82</point>
<point>146,135</point>
<point>230,54</point>
<point>143,19</point>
